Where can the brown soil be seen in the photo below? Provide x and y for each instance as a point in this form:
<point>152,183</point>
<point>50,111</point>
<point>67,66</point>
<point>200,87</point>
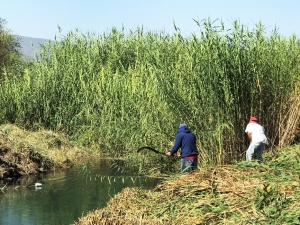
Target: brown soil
<point>23,152</point>
<point>16,164</point>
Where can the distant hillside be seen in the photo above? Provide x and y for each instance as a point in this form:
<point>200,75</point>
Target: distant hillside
<point>30,46</point>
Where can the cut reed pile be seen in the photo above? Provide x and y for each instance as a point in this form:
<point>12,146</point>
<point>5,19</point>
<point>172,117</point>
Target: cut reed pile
<point>245,193</point>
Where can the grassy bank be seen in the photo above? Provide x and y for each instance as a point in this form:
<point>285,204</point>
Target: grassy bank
<point>243,193</point>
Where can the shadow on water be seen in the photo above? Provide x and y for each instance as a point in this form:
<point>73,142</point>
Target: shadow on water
<point>64,195</point>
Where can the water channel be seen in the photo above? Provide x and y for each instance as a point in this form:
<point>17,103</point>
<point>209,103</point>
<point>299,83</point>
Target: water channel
<point>64,195</point>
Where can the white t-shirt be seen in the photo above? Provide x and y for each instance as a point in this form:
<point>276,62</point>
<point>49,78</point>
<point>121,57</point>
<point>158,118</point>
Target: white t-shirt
<point>258,132</point>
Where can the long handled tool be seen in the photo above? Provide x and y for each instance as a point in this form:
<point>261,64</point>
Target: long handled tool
<point>150,148</point>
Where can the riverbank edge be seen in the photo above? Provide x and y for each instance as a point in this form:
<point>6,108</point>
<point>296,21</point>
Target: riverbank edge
<point>25,152</point>
<point>242,193</point>
<point>229,194</point>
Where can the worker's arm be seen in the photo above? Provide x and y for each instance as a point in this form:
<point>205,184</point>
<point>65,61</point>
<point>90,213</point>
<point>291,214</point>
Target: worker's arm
<point>176,146</point>
<point>249,136</point>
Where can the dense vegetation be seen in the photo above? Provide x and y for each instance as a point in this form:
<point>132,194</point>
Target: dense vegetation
<point>119,91</point>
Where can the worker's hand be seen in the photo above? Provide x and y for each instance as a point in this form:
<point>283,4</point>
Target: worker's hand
<point>168,153</point>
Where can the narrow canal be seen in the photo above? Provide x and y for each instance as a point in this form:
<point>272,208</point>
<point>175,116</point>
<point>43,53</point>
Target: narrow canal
<point>64,195</point>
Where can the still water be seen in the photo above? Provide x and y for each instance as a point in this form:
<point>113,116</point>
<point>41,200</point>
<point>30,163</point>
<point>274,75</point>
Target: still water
<point>64,195</point>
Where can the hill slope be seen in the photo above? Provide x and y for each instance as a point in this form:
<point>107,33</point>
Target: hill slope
<point>30,46</point>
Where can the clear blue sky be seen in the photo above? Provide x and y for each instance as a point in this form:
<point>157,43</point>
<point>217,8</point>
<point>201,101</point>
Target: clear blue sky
<point>40,18</point>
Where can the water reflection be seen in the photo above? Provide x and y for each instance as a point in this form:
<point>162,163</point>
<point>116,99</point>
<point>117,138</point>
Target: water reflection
<point>65,195</point>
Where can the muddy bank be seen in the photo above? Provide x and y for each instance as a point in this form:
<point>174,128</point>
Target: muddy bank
<point>16,164</point>
<point>23,152</point>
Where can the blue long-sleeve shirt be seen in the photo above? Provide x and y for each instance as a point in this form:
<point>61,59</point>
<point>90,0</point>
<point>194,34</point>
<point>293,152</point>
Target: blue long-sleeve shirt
<point>186,140</point>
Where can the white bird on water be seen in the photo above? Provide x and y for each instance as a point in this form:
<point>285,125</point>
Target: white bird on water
<point>38,184</point>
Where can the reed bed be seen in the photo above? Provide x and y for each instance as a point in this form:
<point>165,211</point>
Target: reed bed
<point>122,90</point>
<point>243,193</point>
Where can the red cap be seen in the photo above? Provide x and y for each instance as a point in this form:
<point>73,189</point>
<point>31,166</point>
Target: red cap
<point>253,119</point>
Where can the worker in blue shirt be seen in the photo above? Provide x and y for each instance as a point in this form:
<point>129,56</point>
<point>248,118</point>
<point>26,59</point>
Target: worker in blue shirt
<point>186,141</point>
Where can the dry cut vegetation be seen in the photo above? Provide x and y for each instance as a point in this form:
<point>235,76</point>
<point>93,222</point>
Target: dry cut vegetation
<point>244,193</point>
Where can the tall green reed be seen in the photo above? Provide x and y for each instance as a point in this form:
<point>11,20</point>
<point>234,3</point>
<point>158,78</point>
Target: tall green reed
<point>119,91</point>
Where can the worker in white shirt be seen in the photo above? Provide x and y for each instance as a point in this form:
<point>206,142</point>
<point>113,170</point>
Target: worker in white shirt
<point>257,138</point>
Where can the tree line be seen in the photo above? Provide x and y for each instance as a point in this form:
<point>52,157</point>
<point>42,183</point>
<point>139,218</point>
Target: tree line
<point>10,51</point>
